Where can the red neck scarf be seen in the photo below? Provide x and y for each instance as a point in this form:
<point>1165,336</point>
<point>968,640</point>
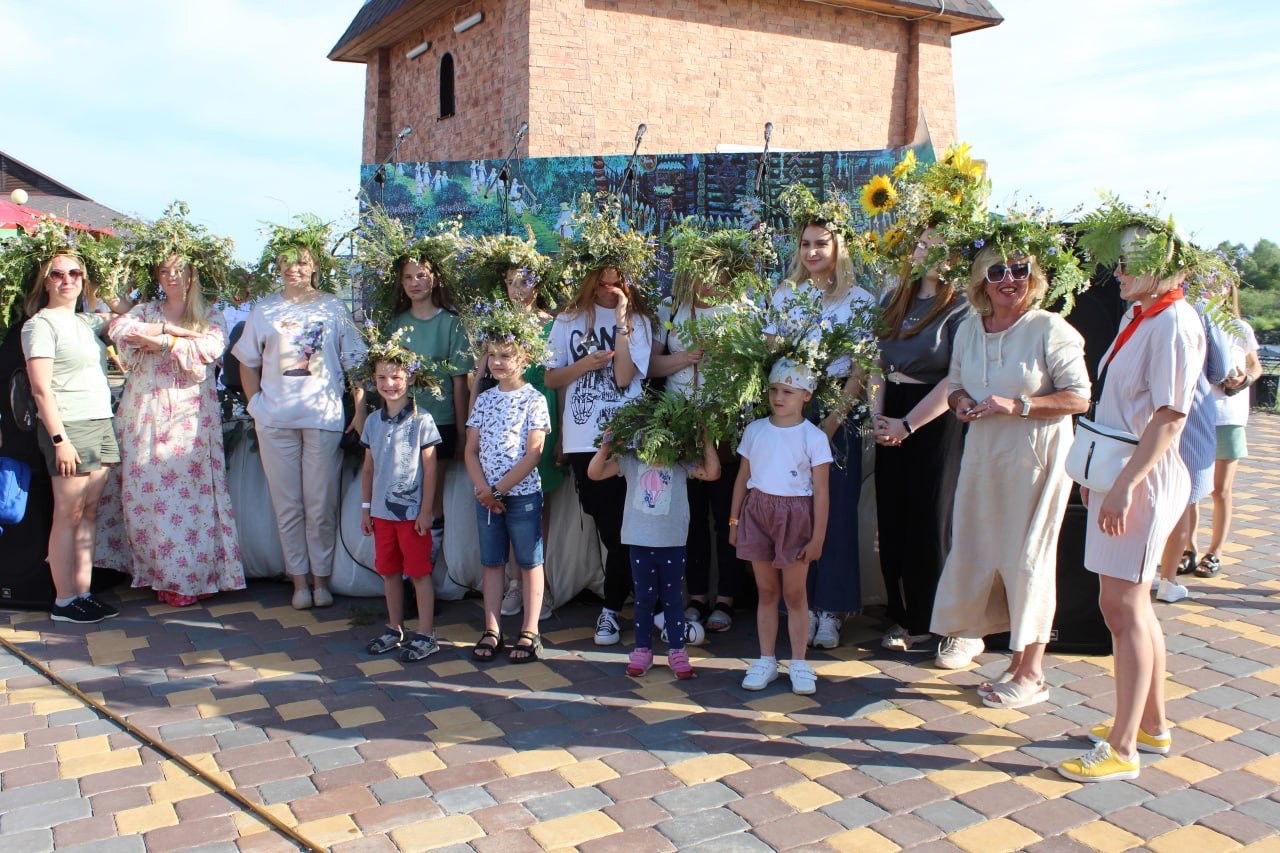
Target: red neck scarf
<point>1138,316</point>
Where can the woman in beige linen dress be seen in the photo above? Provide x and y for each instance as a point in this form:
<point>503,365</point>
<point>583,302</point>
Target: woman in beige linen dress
<point>1017,375</point>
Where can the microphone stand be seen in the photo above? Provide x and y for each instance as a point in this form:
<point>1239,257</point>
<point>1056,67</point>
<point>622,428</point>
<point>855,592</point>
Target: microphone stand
<point>630,173</point>
<point>380,175</point>
<point>762,174</point>
<point>505,176</point>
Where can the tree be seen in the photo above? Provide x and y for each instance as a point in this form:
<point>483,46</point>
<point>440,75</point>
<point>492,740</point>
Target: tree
<point>1260,268</point>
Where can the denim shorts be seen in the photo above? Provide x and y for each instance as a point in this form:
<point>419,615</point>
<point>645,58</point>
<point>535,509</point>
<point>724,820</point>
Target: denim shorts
<point>518,529</point>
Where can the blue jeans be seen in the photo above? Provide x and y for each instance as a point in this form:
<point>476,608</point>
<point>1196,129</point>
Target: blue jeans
<point>518,529</point>
<point>658,574</point>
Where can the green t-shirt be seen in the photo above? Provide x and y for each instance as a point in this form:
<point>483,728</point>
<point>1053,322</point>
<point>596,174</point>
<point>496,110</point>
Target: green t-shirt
<point>439,339</point>
<point>79,379</point>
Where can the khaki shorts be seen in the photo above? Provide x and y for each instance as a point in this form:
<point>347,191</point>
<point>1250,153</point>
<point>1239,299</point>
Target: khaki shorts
<point>94,441</point>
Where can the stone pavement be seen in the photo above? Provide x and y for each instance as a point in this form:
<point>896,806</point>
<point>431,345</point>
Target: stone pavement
<point>357,753</point>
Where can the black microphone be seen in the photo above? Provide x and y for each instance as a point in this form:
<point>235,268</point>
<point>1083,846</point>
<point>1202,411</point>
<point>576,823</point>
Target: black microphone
<point>404,133</point>
<point>768,132</point>
<point>522,130</point>
<point>640,132</point>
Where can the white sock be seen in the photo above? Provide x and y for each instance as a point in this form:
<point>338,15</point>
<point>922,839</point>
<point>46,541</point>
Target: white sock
<point>769,659</point>
<point>63,602</point>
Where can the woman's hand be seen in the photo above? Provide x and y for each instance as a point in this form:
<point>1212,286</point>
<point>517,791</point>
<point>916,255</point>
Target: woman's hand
<point>994,405</point>
<point>1114,510</point>
<point>66,458</point>
<point>692,357</point>
<point>889,432</point>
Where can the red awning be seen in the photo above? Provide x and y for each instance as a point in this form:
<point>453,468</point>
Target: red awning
<point>27,218</point>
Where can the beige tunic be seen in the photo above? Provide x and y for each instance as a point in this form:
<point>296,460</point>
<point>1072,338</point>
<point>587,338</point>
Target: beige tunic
<point>1157,368</point>
<point>1013,489</point>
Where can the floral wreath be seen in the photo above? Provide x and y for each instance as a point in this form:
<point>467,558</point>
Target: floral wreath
<point>382,241</point>
<point>835,214</point>
<point>1161,250</point>
<point>482,263</point>
<point>659,427</point>
<point>497,319</point>
<point>311,234</point>
<point>22,254</point>
<point>423,373</point>
<point>949,195</point>
<point>1037,231</point>
<point>735,256</point>
<point>600,242</point>
<point>150,244</point>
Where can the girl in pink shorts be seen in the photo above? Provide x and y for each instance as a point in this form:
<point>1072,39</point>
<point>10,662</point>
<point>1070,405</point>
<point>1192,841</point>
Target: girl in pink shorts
<point>778,518</point>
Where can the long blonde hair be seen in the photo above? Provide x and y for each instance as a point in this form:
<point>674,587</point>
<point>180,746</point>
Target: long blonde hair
<point>195,314</point>
<point>38,296</point>
<point>845,273</point>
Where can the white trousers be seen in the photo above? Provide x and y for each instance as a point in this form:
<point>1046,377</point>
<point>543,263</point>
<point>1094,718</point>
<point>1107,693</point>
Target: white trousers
<point>303,468</point>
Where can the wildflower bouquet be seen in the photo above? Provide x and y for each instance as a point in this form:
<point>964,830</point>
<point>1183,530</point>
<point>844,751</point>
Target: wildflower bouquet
<point>423,373</point>
<point>601,242</point>
<point>482,263</point>
<point>498,320</point>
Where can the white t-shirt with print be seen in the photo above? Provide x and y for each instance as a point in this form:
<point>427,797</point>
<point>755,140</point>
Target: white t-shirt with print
<point>592,399</point>
<point>504,420</point>
<point>782,458</point>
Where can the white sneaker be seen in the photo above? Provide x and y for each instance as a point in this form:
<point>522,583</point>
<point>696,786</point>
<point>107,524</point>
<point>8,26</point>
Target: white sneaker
<point>804,681</point>
<point>322,597</point>
<point>827,635</point>
<point>958,652</point>
<point>302,598</point>
<point>760,674</point>
<point>1172,591</point>
<point>607,631</point>
<point>813,625</point>
<point>897,639</point>
<point>512,599</point>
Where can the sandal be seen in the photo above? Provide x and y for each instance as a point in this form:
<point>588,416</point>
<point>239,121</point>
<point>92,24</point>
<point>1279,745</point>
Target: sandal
<point>390,640</point>
<point>1209,566</point>
<point>1016,694</point>
<point>528,646</point>
<point>984,689</point>
<point>1187,565</point>
<point>485,651</point>
<point>721,618</point>
<point>421,647</point>
<point>696,611</point>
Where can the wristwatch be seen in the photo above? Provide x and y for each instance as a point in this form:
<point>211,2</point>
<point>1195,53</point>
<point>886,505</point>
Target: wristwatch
<point>497,493</point>
<point>58,439</point>
<point>1026,406</point>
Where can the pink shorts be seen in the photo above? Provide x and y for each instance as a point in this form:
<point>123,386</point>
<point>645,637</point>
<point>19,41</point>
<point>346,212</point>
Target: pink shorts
<point>774,528</point>
<point>399,550</point>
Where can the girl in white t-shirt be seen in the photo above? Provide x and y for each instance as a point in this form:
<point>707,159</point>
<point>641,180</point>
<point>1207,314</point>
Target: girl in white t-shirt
<point>778,518</point>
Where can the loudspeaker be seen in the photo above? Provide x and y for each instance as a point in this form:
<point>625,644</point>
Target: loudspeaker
<point>1078,626</point>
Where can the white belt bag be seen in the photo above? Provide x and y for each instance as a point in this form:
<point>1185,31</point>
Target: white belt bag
<point>1098,454</point>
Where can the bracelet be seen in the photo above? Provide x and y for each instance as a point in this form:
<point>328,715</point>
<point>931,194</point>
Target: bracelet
<point>906,424</point>
<point>366,505</point>
<point>733,522</point>
<point>162,325</point>
<point>173,342</point>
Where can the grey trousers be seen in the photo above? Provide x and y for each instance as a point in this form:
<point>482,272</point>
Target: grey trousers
<point>303,468</point>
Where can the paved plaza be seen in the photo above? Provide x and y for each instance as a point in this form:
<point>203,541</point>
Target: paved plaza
<point>330,748</point>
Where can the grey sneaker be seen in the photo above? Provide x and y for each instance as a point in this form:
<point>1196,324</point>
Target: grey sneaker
<point>421,647</point>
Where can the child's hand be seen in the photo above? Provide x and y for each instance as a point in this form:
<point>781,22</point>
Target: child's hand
<point>422,524</point>
<point>733,535</point>
<point>366,523</point>
<point>811,551</point>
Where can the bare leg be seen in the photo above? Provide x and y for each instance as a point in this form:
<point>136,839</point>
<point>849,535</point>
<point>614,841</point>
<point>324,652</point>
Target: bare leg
<point>1224,475</point>
<point>534,585</point>
<point>492,585</point>
<point>425,594</point>
<point>1177,542</point>
<point>769,585</point>
<point>795,592</point>
<point>393,588</point>
<point>75,513</point>
<point>1139,676</point>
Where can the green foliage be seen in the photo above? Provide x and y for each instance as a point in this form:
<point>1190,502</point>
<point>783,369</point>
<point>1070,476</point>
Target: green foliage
<point>1035,231</point>
<point>422,373</point>
<point>835,214</point>
<point>659,428</point>
<point>600,242</point>
<point>383,242</point>
<point>482,263</point>
<point>22,254</point>
<point>311,234</point>
<point>499,320</point>
<point>731,260</point>
<point>150,244</point>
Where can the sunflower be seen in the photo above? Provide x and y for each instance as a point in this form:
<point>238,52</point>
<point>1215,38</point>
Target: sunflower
<point>893,238</point>
<point>905,166</point>
<point>878,196</point>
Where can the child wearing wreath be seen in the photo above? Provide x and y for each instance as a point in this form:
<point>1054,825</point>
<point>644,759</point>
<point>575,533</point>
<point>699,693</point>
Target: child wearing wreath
<point>655,514</point>
<point>505,434</point>
<point>396,488</point>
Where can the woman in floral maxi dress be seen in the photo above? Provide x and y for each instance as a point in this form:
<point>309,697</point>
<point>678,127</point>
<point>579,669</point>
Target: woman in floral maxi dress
<point>177,535</point>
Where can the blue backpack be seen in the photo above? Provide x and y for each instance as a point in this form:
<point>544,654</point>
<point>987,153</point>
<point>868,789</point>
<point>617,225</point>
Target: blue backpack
<point>15,484</point>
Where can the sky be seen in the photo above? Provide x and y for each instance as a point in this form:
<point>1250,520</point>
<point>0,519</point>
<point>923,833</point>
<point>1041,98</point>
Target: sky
<point>233,107</point>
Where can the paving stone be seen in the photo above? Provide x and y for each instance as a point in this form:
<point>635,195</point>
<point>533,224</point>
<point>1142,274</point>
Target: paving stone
<point>29,841</point>
<point>708,795</point>
<point>1229,697</point>
<point>695,828</point>
<point>331,759</point>
<point>636,813</point>
<point>907,831</point>
<point>240,737</point>
<point>395,790</point>
<point>464,800</point>
<point>1265,810</point>
<point>890,771</point>
<point>1224,756</point>
<point>949,815</point>
<point>644,784</point>
<point>305,745</point>
<point>1054,817</point>
<point>566,803</point>
<point>645,838</point>
<point>40,794</point>
<point>1000,799</point>
<point>797,830</point>
<point>906,796</point>
<point>1239,827</point>
<point>1141,822</point>
<point>44,815</point>
<point>853,813</point>
<point>286,790</point>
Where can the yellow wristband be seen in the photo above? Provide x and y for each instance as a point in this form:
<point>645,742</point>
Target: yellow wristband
<point>733,522</point>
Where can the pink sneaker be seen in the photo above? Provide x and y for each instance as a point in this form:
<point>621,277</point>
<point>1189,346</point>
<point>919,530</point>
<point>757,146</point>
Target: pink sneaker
<point>678,660</point>
<point>640,661</point>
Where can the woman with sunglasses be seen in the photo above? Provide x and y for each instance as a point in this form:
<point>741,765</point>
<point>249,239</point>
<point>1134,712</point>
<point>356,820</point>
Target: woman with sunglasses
<point>1017,375</point>
<point>66,364</point>
<point>917,442</point>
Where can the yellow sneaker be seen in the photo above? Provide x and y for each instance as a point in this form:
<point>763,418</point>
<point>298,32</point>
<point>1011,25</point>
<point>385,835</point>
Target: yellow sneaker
<point>1159,744</point>
<point>1100,764</point>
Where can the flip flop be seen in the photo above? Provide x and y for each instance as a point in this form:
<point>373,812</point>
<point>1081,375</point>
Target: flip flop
<point>1014,694</point>
<point>1005,678</point>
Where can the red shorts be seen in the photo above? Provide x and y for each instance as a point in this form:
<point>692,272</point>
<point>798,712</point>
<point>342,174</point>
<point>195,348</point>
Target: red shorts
<point>774,528</point>
<point>399,550</point>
